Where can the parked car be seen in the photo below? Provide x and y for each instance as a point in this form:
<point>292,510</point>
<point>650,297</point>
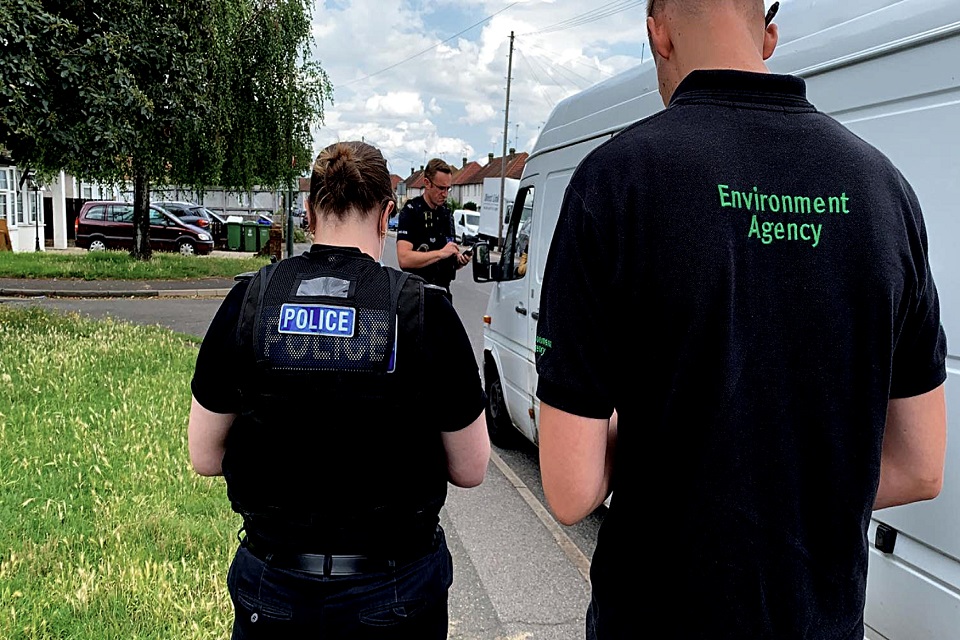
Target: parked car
<point>299,218</point>
<point>109,225</point>
<point>467,225</point>
<point>198,216</point>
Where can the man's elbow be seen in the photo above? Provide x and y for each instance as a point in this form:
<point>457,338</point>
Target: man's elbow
<point>568,515</point>
<point>929,487</point>
<point>908,489</point>
<point>570,507</point>
<point>923,481</point>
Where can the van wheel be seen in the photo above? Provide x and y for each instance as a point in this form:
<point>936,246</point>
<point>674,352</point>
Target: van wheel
<point>186,248</point>
<point>499,426</point>
<point>97,245</point>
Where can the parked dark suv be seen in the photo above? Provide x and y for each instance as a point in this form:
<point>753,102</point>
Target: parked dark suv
<point>109,225</point>
<point>198,216</point>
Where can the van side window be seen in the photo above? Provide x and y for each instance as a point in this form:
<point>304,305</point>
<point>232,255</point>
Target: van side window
<point>516,246</point>
<point>96,213</point>
<point>122,213</point>
<point>157,218</point>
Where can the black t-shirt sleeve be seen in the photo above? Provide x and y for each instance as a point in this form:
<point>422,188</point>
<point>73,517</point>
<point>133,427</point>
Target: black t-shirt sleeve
<point>219,366</point>
<point>450,373</point>
<point>574,358</point>
<point>410,224</point>
<point>451,227</point>
<point>919,359</point>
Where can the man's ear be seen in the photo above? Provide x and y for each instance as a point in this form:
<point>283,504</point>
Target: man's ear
<point>770,38</point>
<point>660,39</point>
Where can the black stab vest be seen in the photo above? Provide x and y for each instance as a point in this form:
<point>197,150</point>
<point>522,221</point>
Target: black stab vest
<point>327,453</point>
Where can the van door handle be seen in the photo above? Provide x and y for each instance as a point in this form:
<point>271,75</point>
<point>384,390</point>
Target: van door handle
<point>521,310</point>
<point>535,315</point>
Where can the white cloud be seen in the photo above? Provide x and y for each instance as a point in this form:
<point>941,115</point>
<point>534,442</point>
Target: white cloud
<point>395,104</point>
<point>477,113</point>
<point>449,101</point>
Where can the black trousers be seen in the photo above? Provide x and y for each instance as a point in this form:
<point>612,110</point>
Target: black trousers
<point>408,601</point>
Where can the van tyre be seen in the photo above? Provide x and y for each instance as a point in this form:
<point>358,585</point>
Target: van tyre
<point>499,426</point>
<point>186,248</point>
<point>97,244</point>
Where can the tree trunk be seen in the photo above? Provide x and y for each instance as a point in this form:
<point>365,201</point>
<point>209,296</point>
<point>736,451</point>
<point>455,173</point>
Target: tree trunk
<point>141,215</point>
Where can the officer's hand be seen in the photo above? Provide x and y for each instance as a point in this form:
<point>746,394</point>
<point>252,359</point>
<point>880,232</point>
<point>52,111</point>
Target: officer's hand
<point>463,259</point>
<point>451,249</point>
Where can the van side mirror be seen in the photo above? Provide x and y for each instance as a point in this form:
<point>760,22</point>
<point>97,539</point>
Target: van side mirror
<point>481,262</point>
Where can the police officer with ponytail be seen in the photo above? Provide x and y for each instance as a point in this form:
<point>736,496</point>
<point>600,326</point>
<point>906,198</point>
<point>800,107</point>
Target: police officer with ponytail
<point>307,399</point>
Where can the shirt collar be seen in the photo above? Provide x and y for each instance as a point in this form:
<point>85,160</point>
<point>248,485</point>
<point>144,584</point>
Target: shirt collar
<point>742,86</point>
<point>324,248</point>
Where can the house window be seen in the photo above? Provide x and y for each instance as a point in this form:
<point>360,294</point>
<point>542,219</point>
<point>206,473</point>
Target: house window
<point>88,192</point>
<point>34,197</point>
<point>8,196</point>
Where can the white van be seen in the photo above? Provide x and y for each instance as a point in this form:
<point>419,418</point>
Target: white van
<point>890,71</point>
<point>466,224</point>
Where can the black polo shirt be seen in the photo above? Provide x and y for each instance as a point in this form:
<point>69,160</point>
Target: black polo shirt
<point>747,283</point>
<point>429,230</point>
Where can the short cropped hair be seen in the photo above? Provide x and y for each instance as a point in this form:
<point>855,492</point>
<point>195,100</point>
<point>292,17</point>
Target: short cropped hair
<point>655,6</point>
<point>434,166</point>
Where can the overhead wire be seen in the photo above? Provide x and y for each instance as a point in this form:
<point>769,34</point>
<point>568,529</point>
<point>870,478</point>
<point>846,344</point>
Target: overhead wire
<point>543,94</point>
<point>562,72</point>
<point>429,49</point>
<point>603,11</point>
<point>552,55</point>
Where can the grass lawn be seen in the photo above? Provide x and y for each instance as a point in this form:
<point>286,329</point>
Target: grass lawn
<point>106,532</point>
<point>118,265</point>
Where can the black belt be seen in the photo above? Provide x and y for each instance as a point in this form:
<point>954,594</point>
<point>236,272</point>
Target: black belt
<point>320,564</point>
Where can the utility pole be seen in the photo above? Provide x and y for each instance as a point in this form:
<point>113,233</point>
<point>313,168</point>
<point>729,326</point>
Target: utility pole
<point>506,129</point>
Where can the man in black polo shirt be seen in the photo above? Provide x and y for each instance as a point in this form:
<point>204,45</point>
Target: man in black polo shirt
<point>426,244</point>
<point>741,339</point>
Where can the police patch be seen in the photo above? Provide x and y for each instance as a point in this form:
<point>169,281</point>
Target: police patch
<point>317,320</point>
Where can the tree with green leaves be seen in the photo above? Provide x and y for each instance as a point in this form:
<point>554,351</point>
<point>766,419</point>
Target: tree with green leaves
<point>191,93</point>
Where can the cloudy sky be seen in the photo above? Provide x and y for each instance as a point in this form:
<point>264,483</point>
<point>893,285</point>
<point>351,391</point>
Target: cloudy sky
<point>421,79</point>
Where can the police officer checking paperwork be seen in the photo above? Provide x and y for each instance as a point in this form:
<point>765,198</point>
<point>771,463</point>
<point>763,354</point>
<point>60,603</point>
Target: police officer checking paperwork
<point>301,400</point>
<point>749,397</point>
<point>426,240</point>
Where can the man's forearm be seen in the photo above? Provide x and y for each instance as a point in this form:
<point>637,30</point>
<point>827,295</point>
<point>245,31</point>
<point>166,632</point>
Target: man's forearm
<point>914,450</point>
<point>419,259</point>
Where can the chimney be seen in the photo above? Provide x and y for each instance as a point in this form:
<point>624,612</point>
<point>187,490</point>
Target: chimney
<point>512,151</point>
<point>464,165</point>
<point>412,170</point>
<point>421,167</point>
<point>489,157</point>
